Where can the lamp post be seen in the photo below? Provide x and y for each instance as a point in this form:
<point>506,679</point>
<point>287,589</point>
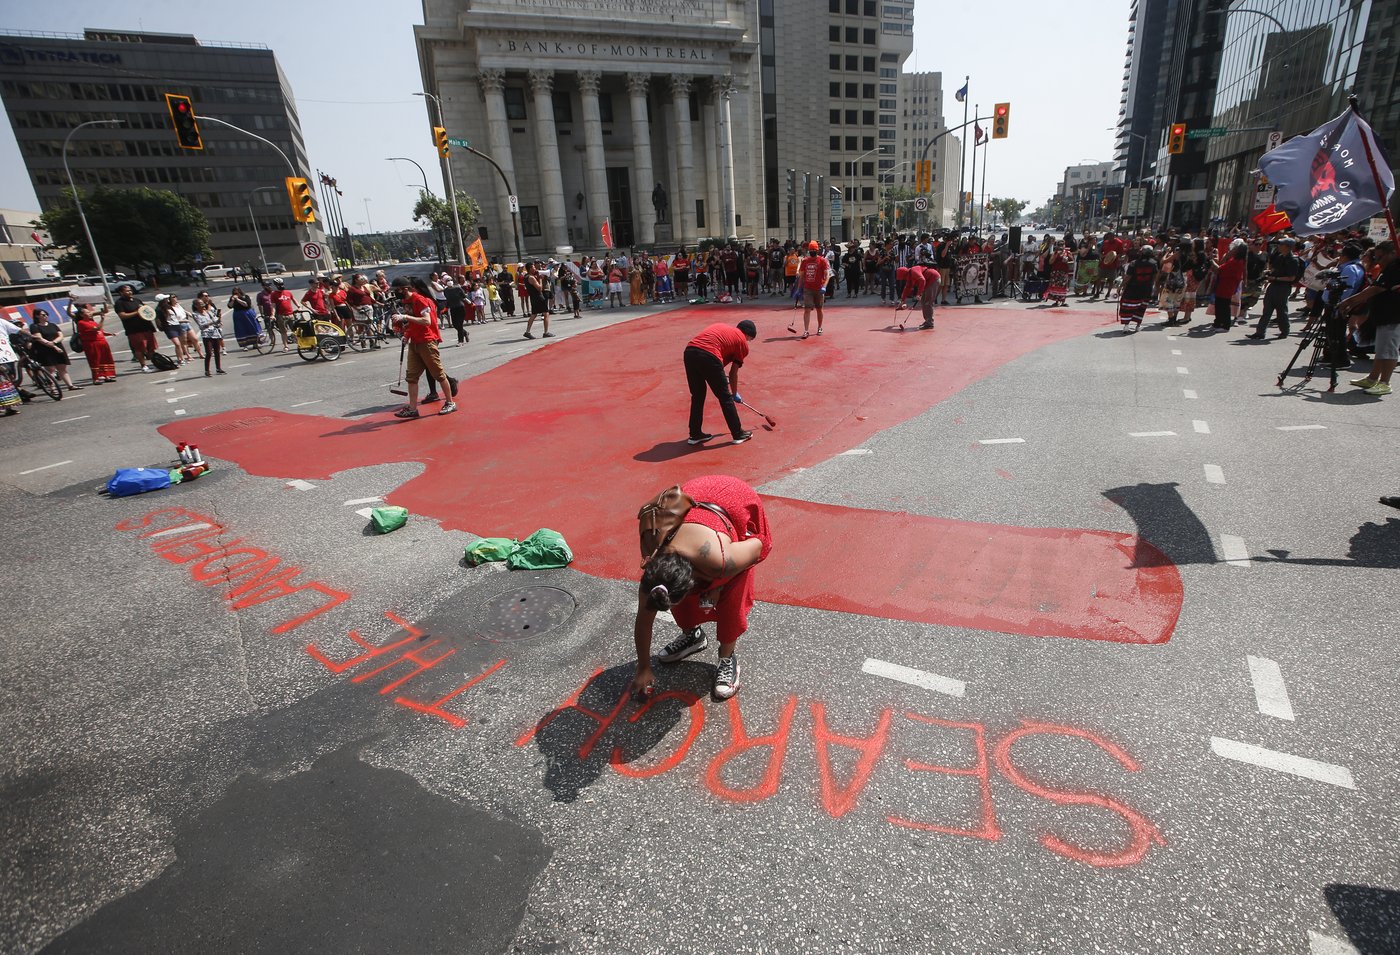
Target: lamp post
<point>256,235</point>
<point>368,220</point>
<point>884,176</point>
<point>855,187</point>
<point>451,189</point>
<point>420,170</point>
<point>92,246</point>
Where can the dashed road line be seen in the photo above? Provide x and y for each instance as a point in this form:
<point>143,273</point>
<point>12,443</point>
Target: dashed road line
<point>1270,692</point>
<point>273,378</point>
<point>46,467</point>
<point>1214,474</point>
<point>1176,351</point>
<point>1201,427</point>
<point>365,512</point>
<point>179,411</point>
<point>169,390</point>
<point>303,404</point>
<point>241,365</point>
<point>78,418</point>
<point>1283,762</point>
<point>1235,551</point>
<point>913,677</point>
<point>171,401</point>
<point>300,485</point>
<point>1151,434</point>
<point>1182,370</point>
<point>1304,427</point>
<point>363,500</point>
<point>1002,441</point>
<point>1189,393</point>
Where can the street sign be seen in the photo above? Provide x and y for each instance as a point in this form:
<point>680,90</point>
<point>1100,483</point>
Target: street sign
<point>1207,133</point>
<point>514,204</point>
<point>458,142</point>
<point>921,204</point>
<point>1136,203</point>
<point>1275,140</point>
<point>311,251</point>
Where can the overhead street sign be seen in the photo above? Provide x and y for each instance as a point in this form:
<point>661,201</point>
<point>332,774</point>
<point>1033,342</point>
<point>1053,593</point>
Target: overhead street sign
<point>1207,133</point>
<point>462,143</point>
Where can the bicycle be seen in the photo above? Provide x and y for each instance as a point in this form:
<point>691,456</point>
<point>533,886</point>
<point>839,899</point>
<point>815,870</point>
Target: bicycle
<point>46,380</point>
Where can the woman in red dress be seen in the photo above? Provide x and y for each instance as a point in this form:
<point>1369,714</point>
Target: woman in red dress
<point>95,348</point>
<point>704,574</point>
<point>1061,272</point>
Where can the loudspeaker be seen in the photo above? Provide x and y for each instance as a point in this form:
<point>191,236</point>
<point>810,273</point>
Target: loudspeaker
<point>1014,239</point>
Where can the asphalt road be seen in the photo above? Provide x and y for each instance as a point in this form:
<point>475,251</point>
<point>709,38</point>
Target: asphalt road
<point>237,720</point>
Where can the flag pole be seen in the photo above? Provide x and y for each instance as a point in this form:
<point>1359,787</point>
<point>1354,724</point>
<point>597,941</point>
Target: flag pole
<point>962,161</point>
<point>972,191</point>
<point>1375,174</point>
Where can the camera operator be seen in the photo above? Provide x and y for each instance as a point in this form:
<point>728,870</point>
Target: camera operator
<point>1383,299</point>
<point>1284,269</point>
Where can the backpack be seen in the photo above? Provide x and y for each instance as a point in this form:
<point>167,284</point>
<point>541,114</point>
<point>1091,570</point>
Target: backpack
<point>662,516</point>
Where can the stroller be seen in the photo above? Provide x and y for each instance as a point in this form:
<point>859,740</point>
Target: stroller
<point>1033,287</point>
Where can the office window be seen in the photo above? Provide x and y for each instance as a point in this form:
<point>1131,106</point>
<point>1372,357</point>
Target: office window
<point>867,117</point>
<point>852,34</point>
<point>851,90</point>
<point>834,61</point>
<point>530,221</point>
<point>888,74</point>
<point>867,169</point>
<point>834,89</point>
<point>834,144</point>
<point>853,7</point>
<point>867,90</point>
<point>852,117</point>
<point>700,213</point>
<point>852,63</point>
<point>887,119</point>
<point>833,33</point>
<point>515,103</point>
<point>834,169</point>
<point>887,104</point>
<point>851,143</point>
<point>834,117</point>
<point>867,194</point>
<point>868,142</point>
<point>889,58</point>
<point>834,6</point>
<point>870,8</point>
<point>563,108</point>
<point>886,134</point>
<point>867,37</point>
<point>890,88</point>
<point>868,64</point>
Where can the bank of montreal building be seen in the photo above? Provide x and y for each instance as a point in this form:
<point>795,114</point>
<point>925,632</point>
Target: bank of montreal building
<point>52,82</point>
<point>590,105</point>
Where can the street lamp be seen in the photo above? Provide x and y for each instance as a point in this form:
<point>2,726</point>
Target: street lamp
<point>256,234</point>
<point>451,190</point>
<point>855,188</point>
<point>367,217</point>
<point>92,246</point>
<point>420,170</point>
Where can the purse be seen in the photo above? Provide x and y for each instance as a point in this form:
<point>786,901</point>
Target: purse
<point>76,343</point>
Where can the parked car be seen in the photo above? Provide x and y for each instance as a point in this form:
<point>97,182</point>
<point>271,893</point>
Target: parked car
<point>275,268</point>
<point>114,279</point>
<point>219,271</point>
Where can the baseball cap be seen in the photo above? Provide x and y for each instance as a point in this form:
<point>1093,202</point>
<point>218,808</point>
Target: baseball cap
<point>813,246</point>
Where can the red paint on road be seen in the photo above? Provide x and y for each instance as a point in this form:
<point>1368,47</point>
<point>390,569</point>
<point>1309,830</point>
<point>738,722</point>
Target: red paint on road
<point>573,436</point>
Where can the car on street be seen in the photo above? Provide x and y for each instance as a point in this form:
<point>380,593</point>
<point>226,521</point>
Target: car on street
<point>275,268</point>
<point>113,279</point>
<point>219,271</point>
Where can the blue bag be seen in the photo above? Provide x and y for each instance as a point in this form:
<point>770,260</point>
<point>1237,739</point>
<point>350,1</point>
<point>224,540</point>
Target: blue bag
<point>128,481</point>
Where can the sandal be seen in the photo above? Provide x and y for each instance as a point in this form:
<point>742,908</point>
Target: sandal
<point>406,413</point>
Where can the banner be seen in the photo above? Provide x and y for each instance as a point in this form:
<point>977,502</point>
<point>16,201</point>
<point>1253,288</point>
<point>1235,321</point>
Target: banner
<point>1271,220</point>
<point>476,255</point>
<point>1324,181</point>
<point>607,234</point>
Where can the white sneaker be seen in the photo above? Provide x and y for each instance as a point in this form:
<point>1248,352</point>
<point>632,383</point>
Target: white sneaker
<point>146,369</point>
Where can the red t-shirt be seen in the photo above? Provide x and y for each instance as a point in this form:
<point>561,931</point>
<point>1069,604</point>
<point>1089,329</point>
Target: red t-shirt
<point>725,342</point>
<point>1231,274</point>
<point>315,298</point>
<point>814,272</point>
<point>912,279</point>
<point>1111,253</point>
<point>418,306</point>
<point>285,302</point>
<point>355,295</point>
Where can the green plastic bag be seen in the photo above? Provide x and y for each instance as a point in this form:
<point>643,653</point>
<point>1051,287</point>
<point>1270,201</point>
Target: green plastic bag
<point>386,519</point>
<point>543,550</point>
<point>489,549</point>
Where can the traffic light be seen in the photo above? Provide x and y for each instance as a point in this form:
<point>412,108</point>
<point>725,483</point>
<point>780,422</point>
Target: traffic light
<point>1176,141</point>
<point>1001,120</point>
<point>440,140</point>
<point>182,118</point>
<point>791,182</point>
<point>303,203</point>
<point>924,176</point>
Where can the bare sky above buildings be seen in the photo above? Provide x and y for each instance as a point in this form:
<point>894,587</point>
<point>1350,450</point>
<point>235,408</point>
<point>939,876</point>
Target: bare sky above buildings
<point>1059,65</point>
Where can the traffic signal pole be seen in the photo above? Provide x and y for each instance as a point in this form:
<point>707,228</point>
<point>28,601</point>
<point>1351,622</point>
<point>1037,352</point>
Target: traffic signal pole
<point>452,191</point>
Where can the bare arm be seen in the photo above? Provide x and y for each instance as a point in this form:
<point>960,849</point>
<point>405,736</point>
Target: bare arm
<point>642,681</point>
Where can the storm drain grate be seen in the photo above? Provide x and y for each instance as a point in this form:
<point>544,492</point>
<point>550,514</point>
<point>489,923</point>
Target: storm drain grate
<point>523,614</point>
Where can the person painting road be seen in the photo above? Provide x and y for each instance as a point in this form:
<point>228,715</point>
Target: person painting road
<point>705,358</point>
<point>418,323</point>
<point>703,573</point>
<point>922,283</point>
<point>812,275</point>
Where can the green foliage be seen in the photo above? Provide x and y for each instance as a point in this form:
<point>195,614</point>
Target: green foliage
<point>1008,209</point>
<point>437,215</point>
<point>137,228</point>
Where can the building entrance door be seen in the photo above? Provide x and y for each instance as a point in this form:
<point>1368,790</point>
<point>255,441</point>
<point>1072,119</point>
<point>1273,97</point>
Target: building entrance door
<point>620,206</point>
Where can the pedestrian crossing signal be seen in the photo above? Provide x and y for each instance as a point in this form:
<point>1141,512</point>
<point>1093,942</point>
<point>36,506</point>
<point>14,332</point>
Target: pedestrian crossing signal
<point>440,140</point>
<point>182,118</point>
<point>1176,141</point>
<point>1001,120</point>
<point>924,176</point>
<point>303,204</point>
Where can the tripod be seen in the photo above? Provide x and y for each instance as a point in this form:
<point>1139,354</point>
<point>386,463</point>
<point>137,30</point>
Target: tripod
<point>1327,334</point>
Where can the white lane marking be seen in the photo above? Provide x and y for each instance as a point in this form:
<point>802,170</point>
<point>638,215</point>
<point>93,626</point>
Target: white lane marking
<point>1270,692</point>
<point>241,365</point>
<point>455,367</point>
<point>1002,441</point>
<point>362,500</point>
<point>273,378</point>
<point>857,451</point>
<point>1200,426</point>
<point>303,404</point>
<point>300,485</point>
<point>69,396</point>
<point>1235,551</point>
<point>46,467</point>
<point>1304,427</point>
<point>1326,945</point>
<point>1151,434</point>
<point>1283,762</point>
<point>182,529</point>
<point>180,411</point>
<point>1171,338</point>
<point>929,681</point>
<point>1214,474</point>
<point>78,418</point>
<point>1176,351</point>
<point>1188,393</point>
<point>365,512</point>
<point>169,390</point>
<point>171,401</point>
<point>1182,370</point>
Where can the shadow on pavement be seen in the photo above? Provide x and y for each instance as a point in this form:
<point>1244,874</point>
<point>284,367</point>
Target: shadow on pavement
<point>1166,522</point>
<point>1373,545</point>
<point>1371,916</point>
<point>671,450</point>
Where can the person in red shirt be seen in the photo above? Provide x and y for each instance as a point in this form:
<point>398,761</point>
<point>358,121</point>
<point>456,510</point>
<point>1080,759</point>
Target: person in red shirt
<point>812,275</point>
<point>417,321</point>
<point>1228,276</point>
<point>1110,261</point>
<point>705,357</point>
<point>314,298</point>
<point>284,306</point>
<point>360,298</point>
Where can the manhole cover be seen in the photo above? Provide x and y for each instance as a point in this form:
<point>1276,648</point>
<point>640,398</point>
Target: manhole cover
<point>522,614</point>
<point>238,425</point>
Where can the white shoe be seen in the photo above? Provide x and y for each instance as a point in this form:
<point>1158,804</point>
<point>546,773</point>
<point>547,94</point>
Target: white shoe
<point>146,369</point>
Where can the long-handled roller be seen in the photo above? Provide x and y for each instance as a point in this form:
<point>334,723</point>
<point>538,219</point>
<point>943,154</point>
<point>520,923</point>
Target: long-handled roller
<point>397,390</point>
<point>768,418</point>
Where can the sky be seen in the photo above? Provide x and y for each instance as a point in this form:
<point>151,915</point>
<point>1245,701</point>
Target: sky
<point>1059,65</point>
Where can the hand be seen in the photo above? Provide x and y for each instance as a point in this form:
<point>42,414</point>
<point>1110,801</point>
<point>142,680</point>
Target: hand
<point>643,685</point>
<point>738,399</point>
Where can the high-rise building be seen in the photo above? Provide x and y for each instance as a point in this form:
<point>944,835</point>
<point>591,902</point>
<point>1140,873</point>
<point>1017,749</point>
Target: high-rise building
<point>50,84</point>
<point>670,120</point>
<point>920,121</point>
<point>1288,66</point>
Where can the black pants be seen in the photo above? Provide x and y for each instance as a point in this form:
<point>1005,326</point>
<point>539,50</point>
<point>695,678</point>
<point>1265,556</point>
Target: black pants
<point>702,371</point>
<point>1275,300</point>
<point>458,314</point>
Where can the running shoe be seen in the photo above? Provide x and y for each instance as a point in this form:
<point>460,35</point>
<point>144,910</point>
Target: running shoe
<point>727,677</point>
<point>700,438</point>
<point>689,643</point>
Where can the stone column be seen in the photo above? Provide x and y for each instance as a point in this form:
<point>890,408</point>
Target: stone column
<point>645,180</point>
<point>709,146</point>
<point>595,170</point>
<point>685,162</point>
<point>556,224</point>
<point>724,88</point>
<point>493,85</point>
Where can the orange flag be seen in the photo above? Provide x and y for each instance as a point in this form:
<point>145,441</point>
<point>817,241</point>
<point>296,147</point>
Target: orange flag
<point>476,255</point>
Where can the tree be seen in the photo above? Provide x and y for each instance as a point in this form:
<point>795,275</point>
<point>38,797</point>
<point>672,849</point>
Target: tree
<point>897,197</point>
<point>138,228</point>
<point>437,214</point>
<point>1008,209</point>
